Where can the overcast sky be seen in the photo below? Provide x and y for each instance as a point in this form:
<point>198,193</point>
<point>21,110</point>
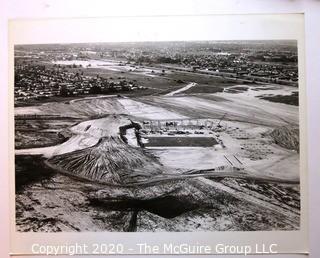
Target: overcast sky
<point>161,28</point>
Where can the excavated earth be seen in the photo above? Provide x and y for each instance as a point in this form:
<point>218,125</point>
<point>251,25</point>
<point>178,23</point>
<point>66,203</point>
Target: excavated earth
<point>62,203</point>
<point>95,181</point>
<point>109,161</point>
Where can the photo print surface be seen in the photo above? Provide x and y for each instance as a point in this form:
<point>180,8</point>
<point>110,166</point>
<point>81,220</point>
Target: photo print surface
<point>169,136</point>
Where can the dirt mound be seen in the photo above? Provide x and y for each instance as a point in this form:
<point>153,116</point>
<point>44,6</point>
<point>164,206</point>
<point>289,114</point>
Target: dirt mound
<point>286,137</point>
<point>109,161</point>
<point>82,108</point>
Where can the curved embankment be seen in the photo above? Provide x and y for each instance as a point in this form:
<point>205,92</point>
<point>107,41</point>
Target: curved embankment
<point>83,135</point>
<point>109,161</point>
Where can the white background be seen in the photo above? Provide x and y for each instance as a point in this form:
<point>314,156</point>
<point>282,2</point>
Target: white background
<point>17,9</point>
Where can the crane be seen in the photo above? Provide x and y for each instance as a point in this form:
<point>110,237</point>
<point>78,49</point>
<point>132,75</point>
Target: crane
<point>218,125</point>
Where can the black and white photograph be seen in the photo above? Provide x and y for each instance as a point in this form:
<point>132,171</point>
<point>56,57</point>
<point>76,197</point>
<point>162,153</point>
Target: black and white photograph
<point>161,136</point>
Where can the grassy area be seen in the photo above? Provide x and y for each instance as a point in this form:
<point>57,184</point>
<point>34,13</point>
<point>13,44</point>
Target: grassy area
<point>202,88</point>
<point>35,102</point>
<point>157,83</point>
<point>162,84</point>
<point>201,78</point>
<point>292,99</point>
<point>237,89</point>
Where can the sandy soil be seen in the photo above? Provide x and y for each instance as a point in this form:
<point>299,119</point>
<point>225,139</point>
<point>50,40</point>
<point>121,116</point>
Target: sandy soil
<point>84,108</point>
<point>190,158</point>
<point>147,111</point>
<point>236,108</point>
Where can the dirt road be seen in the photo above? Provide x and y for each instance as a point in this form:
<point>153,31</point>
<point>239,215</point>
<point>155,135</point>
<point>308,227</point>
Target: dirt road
<point>190,85</point>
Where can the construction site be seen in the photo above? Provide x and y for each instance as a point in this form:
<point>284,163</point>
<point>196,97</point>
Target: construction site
<point>196,134</point>
<point>173,160</point>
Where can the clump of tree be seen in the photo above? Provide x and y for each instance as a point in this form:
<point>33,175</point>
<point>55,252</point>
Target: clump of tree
<point>95,90</point>
<point>65,92</point>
